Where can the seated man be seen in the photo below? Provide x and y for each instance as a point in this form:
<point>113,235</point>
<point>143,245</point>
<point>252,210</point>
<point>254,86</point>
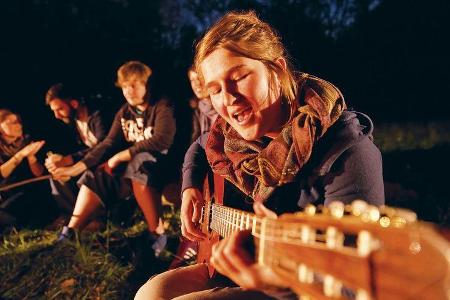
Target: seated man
<point>142,132</point>
<point>89,127</point>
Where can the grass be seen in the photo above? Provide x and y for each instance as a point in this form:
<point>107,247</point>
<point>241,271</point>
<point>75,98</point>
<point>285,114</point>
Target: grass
<point>110,264</point>
<point>412,136</point>
<point>69,270</point>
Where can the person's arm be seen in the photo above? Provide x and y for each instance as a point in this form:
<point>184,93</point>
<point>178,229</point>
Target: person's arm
<point>163,131</point>
<point>196,131</point>
<point>78,155</point>
<point>28,151</point>
<point>64,173</point>
<point>55,161</point>
<point>97,126</point>
<point>195,167</point>
<point>195,164</point>
<point>118,158</point>
<point>10,165</point>
<point>37,169</point>
<point>114,138</point>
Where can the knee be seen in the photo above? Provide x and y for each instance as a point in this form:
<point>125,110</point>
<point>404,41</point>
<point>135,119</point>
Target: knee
<point>152,289</point>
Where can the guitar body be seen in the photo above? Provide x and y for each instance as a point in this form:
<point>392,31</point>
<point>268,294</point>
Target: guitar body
<point>213,191</point>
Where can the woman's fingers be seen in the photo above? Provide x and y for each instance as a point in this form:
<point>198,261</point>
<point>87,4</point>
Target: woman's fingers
<point>262,211</point>
<point>197,204</point>
<point>231,258</point>
<point>191,230</point>
<point>32,148</point>
<point>191,206</point>
<point>190,215</point>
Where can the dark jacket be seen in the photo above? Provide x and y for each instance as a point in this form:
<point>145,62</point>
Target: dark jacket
<point>345,165</point>
<point>151,131</point>
<point>98,126</point>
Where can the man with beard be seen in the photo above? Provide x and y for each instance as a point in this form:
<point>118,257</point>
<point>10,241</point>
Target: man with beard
<point>89,128</point>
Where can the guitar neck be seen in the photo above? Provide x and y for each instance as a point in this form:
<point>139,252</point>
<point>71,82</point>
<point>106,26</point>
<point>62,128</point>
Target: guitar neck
<point>225,220</point>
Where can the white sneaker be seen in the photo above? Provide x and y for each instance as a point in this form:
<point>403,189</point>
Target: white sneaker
<point>159,244</point>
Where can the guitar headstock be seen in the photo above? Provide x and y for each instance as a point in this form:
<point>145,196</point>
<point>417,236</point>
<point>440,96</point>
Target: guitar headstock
<point>357,251</point>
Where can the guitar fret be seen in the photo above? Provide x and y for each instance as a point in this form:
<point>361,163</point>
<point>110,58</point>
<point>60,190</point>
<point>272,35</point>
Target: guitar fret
<point>238,221</point>
<point>229,223</point>
<point>226,220</point>
<point>233,222</point>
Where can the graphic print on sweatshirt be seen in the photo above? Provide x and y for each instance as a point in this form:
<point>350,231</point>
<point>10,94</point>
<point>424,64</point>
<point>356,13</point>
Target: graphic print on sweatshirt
<point>135,130</point>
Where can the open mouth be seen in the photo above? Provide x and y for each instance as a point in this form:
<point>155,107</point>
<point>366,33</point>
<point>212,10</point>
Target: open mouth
<point>242,116</point>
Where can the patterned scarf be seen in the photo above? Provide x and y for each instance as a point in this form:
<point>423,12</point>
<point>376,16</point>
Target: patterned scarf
<point>258,167</point>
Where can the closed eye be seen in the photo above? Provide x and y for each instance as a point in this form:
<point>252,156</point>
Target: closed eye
<point>214,91</point>
<point>240,77</point>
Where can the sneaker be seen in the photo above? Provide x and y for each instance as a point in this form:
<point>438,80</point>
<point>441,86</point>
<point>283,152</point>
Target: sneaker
<point>66,234</point>
<point>186,254</point>
<point>57,223</point>
<point>159,244</point>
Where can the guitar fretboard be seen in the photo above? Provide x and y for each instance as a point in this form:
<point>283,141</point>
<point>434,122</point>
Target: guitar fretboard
<point>226,220</point>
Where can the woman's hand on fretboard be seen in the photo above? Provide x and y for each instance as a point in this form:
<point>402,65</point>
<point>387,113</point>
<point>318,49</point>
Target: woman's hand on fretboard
<point>191,208</point>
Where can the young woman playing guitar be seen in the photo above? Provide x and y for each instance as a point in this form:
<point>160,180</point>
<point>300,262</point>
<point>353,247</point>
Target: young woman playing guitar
<point>283,139</point>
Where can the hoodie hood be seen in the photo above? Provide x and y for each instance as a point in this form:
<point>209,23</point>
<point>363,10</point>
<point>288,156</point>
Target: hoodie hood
<point>349,129</point>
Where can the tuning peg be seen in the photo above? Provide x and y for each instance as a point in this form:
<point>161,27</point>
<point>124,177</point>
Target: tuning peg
<point>336,209</point>
<point>334,238</point>
<point>396,217</point>
<point>332,287</point>
<point>362,294</point>
<point>371,214</point>
<point>310,210</point>
<point>366,243</point>
<point>358,207</point>
<point>305,274</point>
<point>406,214</point>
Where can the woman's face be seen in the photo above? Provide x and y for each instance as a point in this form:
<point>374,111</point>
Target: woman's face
<point>134,92</point>
<point>240,93</point>
<point>11,127</point>
<point>196,85</point>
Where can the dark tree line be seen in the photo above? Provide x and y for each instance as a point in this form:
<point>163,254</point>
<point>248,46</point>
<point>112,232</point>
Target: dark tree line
<point>389,57</point>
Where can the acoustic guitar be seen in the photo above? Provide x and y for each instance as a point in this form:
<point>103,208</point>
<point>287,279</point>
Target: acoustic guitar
<point>354,251</point>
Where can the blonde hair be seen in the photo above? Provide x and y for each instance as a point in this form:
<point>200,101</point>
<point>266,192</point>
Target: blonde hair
<point>243,33</point>
<point>133,70</point>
